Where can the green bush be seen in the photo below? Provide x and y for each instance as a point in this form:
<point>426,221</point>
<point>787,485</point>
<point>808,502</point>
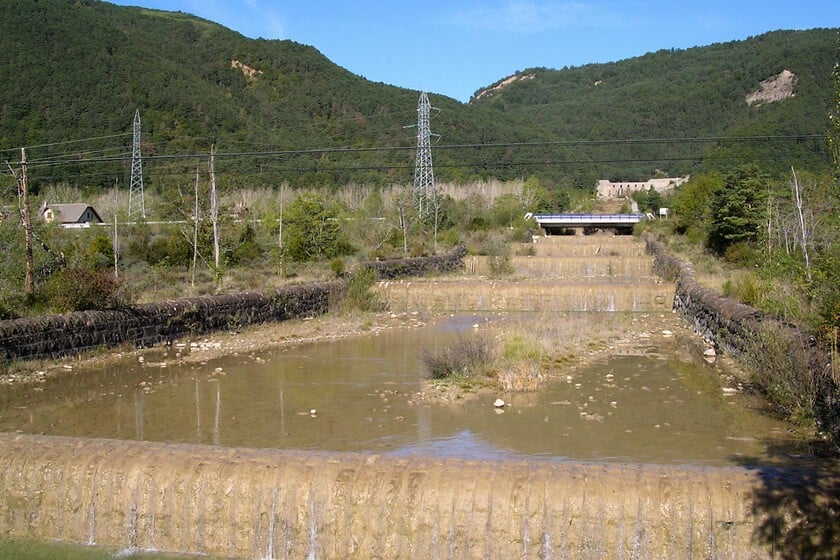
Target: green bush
<point>498,253</point>
<point>79,289</point>
<point>360,296</point>
<point>746,288</point>
<point>248,250</point>
<point>337,267</point>
<point>800,388</point>
<point>7,311</point>
<point>740,253</point>
<point>99,252</point>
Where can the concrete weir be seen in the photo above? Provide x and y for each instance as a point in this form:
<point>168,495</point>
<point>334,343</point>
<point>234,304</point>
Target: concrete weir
<point>260,504</point>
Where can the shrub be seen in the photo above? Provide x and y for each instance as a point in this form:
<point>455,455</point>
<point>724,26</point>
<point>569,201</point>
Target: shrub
<point>498,253</point>
<point>99,252</point>
<point>338,268</point>
<point>360,296</point>
<point>794,377</point>
<point>79,289</point>
<point>248,250</point>
<point>7,311</point>
<point>740,253</point>
<point>469,355</point>
<point>746,288</point>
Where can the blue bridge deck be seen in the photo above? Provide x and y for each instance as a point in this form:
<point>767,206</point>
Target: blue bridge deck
<point>554,222</point>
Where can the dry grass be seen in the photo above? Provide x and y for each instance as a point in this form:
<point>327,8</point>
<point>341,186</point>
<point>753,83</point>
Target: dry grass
<point>528,350</point>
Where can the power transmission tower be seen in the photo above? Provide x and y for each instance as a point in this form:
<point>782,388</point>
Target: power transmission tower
<point>425,199</point>
<point>135,194</point>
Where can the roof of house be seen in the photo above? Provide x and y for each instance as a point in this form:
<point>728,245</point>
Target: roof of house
<point>71,213</point>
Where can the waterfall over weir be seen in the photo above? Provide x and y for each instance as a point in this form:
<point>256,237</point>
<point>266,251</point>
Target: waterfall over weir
<point>260,504</point>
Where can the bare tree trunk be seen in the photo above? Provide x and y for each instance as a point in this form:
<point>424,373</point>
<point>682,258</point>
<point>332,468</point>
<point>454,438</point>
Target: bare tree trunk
<point>195,231</point>
<point>280,231</point>
<point>116,248</point>
<point>769,221</point>
<point>404,226</point>
<point>803,230</point>
<point>214,210</point>
<point>26,215</point>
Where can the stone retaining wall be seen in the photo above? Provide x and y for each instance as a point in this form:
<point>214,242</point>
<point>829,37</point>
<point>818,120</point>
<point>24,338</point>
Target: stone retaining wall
<point>786,362</point>
<point>722,321</point>
<point>728,324</point>
<point>419,266</point>
<point>52,336</point>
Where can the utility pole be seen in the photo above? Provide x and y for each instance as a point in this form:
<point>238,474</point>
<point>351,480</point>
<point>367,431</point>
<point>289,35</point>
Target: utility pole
<point>425,196</point>
<point>135,190</point>
<point>27,227</point>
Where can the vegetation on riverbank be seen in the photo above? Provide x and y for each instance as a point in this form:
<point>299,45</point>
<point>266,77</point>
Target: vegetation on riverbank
<point>773,244</point>
<point>521,353</point>
<point>266,238</point>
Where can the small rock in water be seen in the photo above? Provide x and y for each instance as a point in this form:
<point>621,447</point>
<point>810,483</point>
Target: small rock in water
<point>499,403</point>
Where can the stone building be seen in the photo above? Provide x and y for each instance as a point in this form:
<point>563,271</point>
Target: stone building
<point>623,189</point>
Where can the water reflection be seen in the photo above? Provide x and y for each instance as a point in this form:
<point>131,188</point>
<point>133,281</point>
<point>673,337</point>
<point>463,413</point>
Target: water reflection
<point>358,395</point>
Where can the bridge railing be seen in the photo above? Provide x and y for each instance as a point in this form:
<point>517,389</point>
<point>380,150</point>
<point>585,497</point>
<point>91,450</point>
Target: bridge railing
<point>589,217</point>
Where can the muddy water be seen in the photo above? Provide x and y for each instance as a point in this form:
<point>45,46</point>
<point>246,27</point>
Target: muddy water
<point>647,405</point>
<point>360,395</point>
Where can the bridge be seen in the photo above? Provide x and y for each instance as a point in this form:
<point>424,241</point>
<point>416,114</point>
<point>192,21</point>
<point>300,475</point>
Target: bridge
<point>556,223</point>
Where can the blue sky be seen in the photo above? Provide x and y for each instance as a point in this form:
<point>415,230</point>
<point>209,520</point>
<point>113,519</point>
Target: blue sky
<point>456,47</point>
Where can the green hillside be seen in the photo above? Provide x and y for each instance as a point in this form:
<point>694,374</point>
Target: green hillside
<point>280,111</point>
<point>684,95</point>
<point>80,69</point>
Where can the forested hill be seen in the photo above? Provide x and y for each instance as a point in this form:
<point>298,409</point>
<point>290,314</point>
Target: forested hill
<point>775,84</point>
<point>80,69</point>
<point>280,111</point>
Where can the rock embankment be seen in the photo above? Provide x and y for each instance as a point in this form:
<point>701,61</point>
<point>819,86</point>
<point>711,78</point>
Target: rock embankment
<point>53,336</point>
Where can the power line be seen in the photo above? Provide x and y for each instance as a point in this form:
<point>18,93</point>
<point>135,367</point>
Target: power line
<point>72,157</point>
<point>66,142</point>
<point>185,172</point>
<point>284,157</point>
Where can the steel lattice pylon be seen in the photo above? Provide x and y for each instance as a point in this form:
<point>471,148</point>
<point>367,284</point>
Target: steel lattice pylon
<point>135,193</point>
<point>424,176</point>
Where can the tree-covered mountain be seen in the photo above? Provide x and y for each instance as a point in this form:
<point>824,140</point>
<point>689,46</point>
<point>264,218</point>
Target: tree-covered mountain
<point>80,69</point>
<point>775,85</point>
<point>278,111</point>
